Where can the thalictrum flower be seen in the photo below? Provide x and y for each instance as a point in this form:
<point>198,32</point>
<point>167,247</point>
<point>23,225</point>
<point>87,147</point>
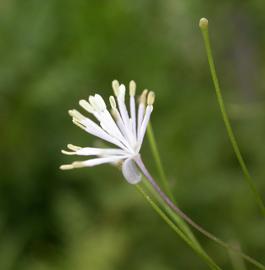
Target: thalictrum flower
<point>126,131</point>
<point>121,128</point>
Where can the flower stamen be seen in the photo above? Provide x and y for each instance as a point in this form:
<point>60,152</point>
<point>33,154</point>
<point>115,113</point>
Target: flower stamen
<point>122,127</point>
<point>151,98</point>
<point>115,87</point>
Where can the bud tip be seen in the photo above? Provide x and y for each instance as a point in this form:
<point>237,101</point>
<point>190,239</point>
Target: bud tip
<point>203,23</point>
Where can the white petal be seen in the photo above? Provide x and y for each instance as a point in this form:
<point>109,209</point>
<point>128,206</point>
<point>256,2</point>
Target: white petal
<point>133,117</point>
<point>122,106</point>
<point>91,151</point>
<point>126,127</point>
<point>120,123</point>
<point>111,126</point>
<point>94,129</point>
<point>99,110</point>
<point>141,110</point>
<point>127,133</point>
<point>145,122</point>
<point>131,172</point>
<point>92,162</point>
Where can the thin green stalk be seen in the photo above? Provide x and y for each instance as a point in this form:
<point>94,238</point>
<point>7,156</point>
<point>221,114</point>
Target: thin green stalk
<point>155,152</point>
<point>175,218</point>
<point>237,261</point>
<point>185,217</point>
<point>180,222</point>
<point>204,29</point>
<point>154,149</point>
<point>209,261</point>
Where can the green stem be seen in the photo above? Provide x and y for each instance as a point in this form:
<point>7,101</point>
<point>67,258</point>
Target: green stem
<point>180,222</point>
<point>192,223</point>
<point>204,28</point>
<point>155,152</point>
<point>158,162</point>
<point>209,261</point>
<point>237,261</point>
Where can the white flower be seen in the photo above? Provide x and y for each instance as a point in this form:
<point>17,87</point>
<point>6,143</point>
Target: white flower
<point>123,129</point>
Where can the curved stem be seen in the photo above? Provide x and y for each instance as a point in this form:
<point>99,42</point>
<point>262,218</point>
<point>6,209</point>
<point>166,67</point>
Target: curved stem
<point>164,181</point>
<point>176,218</point>
<point>196,248</point>
<point>232,138</point>
<point>178,211</point>
<point>158,162</point>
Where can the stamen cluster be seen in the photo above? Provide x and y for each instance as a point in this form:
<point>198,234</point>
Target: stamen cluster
<point>122,128</point>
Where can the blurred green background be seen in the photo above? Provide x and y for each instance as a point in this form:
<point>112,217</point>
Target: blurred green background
<point>54,53</point>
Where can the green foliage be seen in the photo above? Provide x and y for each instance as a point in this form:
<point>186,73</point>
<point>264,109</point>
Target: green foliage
<point>54,53</point>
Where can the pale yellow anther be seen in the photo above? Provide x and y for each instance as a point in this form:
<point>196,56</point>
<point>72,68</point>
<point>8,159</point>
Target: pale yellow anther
<point>132,87</point>
<point>100,102</point>
<point>70,112</point>
<point>79,124</point>
<point>66,167</point>
<point>67,152</point>
<point>76,115</point>
<point>115,87</point>
<point>84,104</point>
<point>114,113</point>
<point>78,164</point>
<point>143,96</point>
<point>73,147</point>
<point>112,102</point>
<point>151,98</point>
<point>94,103</point>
